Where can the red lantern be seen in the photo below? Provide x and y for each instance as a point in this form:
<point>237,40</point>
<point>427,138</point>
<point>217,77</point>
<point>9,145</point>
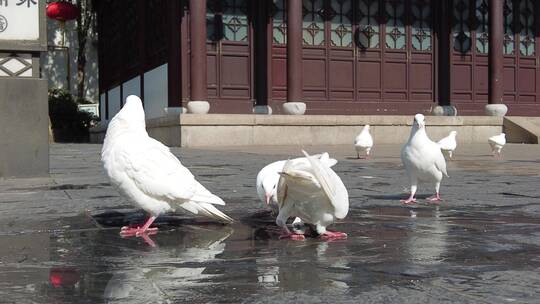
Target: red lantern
<point>62,11</point>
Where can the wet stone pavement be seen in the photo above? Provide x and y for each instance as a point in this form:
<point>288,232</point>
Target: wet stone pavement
<point>59,240</point>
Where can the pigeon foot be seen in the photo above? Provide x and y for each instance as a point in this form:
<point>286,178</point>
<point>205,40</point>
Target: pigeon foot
<point>292,236</point>
<point>434,199</point>
<point>127,231</point>
<point>333,235</point>
<point>409,201</point>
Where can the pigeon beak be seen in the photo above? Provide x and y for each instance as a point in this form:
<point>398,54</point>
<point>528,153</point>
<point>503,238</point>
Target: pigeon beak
<point>268,196</point>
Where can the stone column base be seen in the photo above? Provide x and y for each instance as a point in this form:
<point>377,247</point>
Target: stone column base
<point>294,108</point>
<point>262,110</point>
<point>496,109</point>
<point>198,107</point>
<point>444,111</point>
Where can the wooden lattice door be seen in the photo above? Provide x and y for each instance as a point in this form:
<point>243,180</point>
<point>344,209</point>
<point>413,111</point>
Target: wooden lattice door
<point>230,55</point>
<point>378,52</point>
<point>469,55</point>
<point>521,70</point>
<point>408,53</point>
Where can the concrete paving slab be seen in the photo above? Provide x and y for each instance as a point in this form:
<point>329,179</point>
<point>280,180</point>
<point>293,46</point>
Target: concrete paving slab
<point>59,239</point>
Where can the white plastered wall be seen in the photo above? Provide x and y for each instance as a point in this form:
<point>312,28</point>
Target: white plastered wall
<point>54,62</point>
<point>156,92</point>
<point>114,101</point>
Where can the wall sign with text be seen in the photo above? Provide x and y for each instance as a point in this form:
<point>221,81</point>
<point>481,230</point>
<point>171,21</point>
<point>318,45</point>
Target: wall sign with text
<point>22,23</point>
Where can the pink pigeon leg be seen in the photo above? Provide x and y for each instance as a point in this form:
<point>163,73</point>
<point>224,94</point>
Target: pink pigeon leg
<point>411,199</point>
<point>333,235</point>
<point>127,231</point>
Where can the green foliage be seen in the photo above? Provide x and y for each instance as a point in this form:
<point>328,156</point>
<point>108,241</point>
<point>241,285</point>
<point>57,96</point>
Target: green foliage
<point>69,124</point>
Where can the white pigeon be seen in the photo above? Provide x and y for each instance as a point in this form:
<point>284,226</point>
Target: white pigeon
<point>314,193</point>
<point>497,142</point>
<point>423,160</point>
<point>268,177</point>
<point>363,142</point>
<point>448,144</point>
<point>147,173</point>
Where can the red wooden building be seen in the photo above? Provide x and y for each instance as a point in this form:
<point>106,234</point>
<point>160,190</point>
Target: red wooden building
<point>336,56</point>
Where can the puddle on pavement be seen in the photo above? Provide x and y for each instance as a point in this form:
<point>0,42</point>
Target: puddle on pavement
<point>478,255</point>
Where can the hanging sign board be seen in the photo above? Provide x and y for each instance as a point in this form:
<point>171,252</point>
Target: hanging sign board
<point>22,25</point>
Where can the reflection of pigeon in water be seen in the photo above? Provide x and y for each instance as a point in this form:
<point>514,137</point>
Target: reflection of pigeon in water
<point>448,144</point>
<point>363,142</point>
<point>147,172</point>
<point>423,160</point>
<point>497,142</point>
<point>314,193</point>
<point>427,242</point>
<point>164,275</point>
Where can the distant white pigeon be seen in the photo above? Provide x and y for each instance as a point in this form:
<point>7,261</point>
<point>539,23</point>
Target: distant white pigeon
<point>497,142</point>
<point>423,160</point>
<point>449,143</point>
<point>314,193</point>
<point>363,142</point>
<point>147,173</point>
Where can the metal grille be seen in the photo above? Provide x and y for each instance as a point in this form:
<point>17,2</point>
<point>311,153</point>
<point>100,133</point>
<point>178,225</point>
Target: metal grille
<point>279,21</point>
<point>509,32</point>
<point>421,25</point>
<point>461,30</point>
<point>368,24</point>
<point>235,20</point>
<point>340,14</point>
<point>482,26</point>
<point>313,25</point>
<point>527,34</point>
<point>396,36</point>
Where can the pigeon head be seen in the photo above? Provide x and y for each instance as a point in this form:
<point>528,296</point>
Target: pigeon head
<point>453,133</point>
<point>131,114</point>
<point>503,135</point>
<point>269,188</point>
<point>419,121</point>
<point>366,127</point>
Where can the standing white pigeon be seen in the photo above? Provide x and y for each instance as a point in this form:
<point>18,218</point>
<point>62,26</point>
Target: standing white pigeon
<point>423,160</point>
<point>497,142</point>
<point>448,144</point>
<point>314,193</point>
<point>146,172</point>
<point>363,142</point>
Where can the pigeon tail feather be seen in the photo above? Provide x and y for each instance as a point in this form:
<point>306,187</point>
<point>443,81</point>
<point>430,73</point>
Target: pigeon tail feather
<point>206,209</point>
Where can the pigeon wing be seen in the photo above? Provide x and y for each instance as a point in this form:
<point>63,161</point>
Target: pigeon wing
<point>332,186</point>
<point>440,162</point>
<point>158,173</point>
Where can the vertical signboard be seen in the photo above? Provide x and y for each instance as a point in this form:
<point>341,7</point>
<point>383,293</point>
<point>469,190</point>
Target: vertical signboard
<point>24,116</point>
